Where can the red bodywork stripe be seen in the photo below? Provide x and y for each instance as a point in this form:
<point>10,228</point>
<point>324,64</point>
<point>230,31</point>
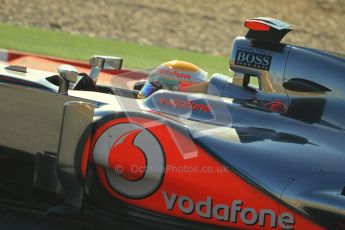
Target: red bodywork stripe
<point>217,182</point>
<point>47,63</point>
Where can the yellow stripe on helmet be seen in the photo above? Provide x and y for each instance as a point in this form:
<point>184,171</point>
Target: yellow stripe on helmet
<point>182,65</point>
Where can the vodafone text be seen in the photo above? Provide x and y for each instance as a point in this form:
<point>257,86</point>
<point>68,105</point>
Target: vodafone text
<point>228,213</point>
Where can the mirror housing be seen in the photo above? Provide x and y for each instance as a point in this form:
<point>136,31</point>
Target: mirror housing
<point>98,62</point>
<point>106,62</point>
<point>304,86</point>
<point>68,74</point>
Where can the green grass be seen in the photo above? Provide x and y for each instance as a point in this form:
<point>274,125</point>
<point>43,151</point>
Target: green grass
<point>78,47</point>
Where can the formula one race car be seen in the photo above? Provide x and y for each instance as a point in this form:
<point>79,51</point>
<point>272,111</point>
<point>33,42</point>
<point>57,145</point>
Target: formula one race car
<point>262,150</point>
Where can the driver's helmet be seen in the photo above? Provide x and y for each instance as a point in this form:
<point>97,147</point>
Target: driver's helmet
<point>173,75</point>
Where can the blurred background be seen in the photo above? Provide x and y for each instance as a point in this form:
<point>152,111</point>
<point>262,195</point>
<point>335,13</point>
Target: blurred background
<point>207,26</point>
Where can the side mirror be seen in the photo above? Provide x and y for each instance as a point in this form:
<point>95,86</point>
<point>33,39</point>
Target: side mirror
<point>103,62</point>
<point>68,74</point>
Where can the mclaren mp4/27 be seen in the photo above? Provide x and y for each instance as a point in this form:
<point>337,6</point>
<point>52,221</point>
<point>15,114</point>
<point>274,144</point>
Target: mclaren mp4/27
<point>264,149</point>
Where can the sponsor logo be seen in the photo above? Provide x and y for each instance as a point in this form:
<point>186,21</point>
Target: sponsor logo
<point>255,50</point>
<point>253,60</point>
<point>276,106</point>
<point>124,146</point>
<point>234,212</point>
<point>174,73</point>
<point>184,104</point>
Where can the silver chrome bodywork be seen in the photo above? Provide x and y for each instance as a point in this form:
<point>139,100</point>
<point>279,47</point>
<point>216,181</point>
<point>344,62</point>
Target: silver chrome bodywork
<point>77,118</point>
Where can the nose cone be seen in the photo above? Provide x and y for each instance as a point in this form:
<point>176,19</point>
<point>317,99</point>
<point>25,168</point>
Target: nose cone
<point>319,196</point>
